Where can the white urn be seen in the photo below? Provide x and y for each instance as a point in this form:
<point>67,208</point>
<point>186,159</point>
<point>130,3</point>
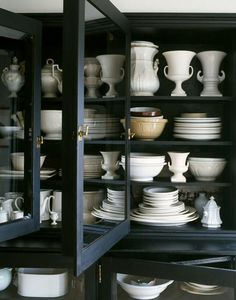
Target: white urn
<point>209,76</point>
<point>178,68</point>
<point>178,165</point>
<point>112,71</point>
<point>110,164</point>
<point>144,79</point>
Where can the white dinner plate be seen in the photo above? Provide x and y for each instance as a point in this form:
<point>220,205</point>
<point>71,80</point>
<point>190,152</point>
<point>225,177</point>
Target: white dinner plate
<point>165,223</point>
<point>198,120</point>
<point>198,125</point>
<point>193,290</point>
<point>197,136</point>
<point>197,130</point>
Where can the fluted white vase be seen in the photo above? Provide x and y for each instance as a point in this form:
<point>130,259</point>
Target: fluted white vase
<point>110,164</point>
<point>209,76</point>
<point>179,69</point>
<point>144,79</point>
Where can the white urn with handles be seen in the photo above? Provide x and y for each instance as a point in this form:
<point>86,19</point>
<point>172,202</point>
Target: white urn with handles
<point>13,77</point>
<point>178,68</point>
<point>211,76</point>
<point>144,79</point>
<point>110,164</point>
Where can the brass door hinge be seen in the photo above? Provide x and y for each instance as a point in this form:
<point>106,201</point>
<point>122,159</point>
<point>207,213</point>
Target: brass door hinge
<point>130,134</point>
<point>99,273</point>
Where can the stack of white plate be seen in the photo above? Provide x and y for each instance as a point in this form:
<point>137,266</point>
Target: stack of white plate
<point>208,128</point>
<point>113,207</point>
<point>102,125</point>
<point>161,207</point>
<point>202,289</point>
<point>92,166</point>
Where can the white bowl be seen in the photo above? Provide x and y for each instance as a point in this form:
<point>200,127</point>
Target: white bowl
<point>206,170</point>
<point>92,198</point>
<point>17,159</point>
<point>51,123</point>
<point>144,172</point>
<point>42,282</point>
<point>141,287</point>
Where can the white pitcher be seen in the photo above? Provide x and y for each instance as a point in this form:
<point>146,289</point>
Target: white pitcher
<point>179,69</point>
<point>210,61</point>
<point>144,79</point>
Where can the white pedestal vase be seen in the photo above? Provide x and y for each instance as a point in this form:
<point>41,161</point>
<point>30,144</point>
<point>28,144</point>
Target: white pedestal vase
<point>179,69</point>
<point>210,61</point>
<point>110,164</point>
<point>92,84</point>
<point>144,79</point>
<point>178,165</point>
<point>112,71</point>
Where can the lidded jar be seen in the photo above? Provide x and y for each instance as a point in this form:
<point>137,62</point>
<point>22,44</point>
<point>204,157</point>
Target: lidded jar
<point>199,202</point>
<point>50,77</point>
<point>13,77</point>
<point>144,79</point>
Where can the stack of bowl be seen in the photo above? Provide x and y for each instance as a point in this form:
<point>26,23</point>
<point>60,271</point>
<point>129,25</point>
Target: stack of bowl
<point>144,166</point>
<point>206,168</point>
<point>147,123</point>
<point>92,166</point>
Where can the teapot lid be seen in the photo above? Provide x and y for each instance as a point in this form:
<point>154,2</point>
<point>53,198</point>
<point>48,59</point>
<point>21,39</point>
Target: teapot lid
<point>211,204</point>
<point>48,66</point>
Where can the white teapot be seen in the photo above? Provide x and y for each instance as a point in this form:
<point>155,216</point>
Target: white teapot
<point>211,214</point>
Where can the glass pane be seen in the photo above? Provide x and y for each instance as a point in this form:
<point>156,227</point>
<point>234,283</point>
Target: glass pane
<point>104,190</point>
<point>15,130</point>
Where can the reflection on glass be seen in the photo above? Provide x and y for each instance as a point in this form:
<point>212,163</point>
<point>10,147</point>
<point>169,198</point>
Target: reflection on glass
<point>104,81</point>
<point>12,124</point>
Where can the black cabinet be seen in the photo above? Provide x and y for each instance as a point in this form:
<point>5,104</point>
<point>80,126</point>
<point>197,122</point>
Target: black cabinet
<point>77,243</point>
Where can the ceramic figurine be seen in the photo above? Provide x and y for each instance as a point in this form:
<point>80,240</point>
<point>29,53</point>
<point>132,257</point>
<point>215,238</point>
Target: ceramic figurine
<point>210,78</point>
<point>144,79</point>
<point>13,77</point>
<point>178,69</point>
<point>211,214</point>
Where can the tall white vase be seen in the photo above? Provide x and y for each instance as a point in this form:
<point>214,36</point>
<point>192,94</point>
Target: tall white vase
<point>112,71</point>
<point>179,69</point>
<point>144,79</point>
<point>178,165</point>
<point>210,61</point>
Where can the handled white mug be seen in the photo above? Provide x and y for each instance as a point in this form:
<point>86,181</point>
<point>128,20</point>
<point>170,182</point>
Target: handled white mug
<point>45,196</point>
<point>57,203</point>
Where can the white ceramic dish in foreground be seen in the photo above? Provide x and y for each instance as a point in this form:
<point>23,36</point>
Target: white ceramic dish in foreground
<point>6,131</point>
<point>141,287</point>
<point>42,282</point>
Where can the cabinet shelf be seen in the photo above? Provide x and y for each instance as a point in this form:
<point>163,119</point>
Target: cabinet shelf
<point>102,181</point>
<point>165,182</point>
<point>104,99</point>
<point>186,99</point>
<point>183,143</point>
<point>105,142</point>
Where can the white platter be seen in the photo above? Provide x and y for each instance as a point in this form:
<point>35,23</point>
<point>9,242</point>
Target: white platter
<point>197,136</point>
<point>173,223</point>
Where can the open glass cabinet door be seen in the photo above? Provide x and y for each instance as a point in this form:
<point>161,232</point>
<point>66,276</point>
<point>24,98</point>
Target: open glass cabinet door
<point>20,40</point>
<point>205,278</point>
<point>95,88</point>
